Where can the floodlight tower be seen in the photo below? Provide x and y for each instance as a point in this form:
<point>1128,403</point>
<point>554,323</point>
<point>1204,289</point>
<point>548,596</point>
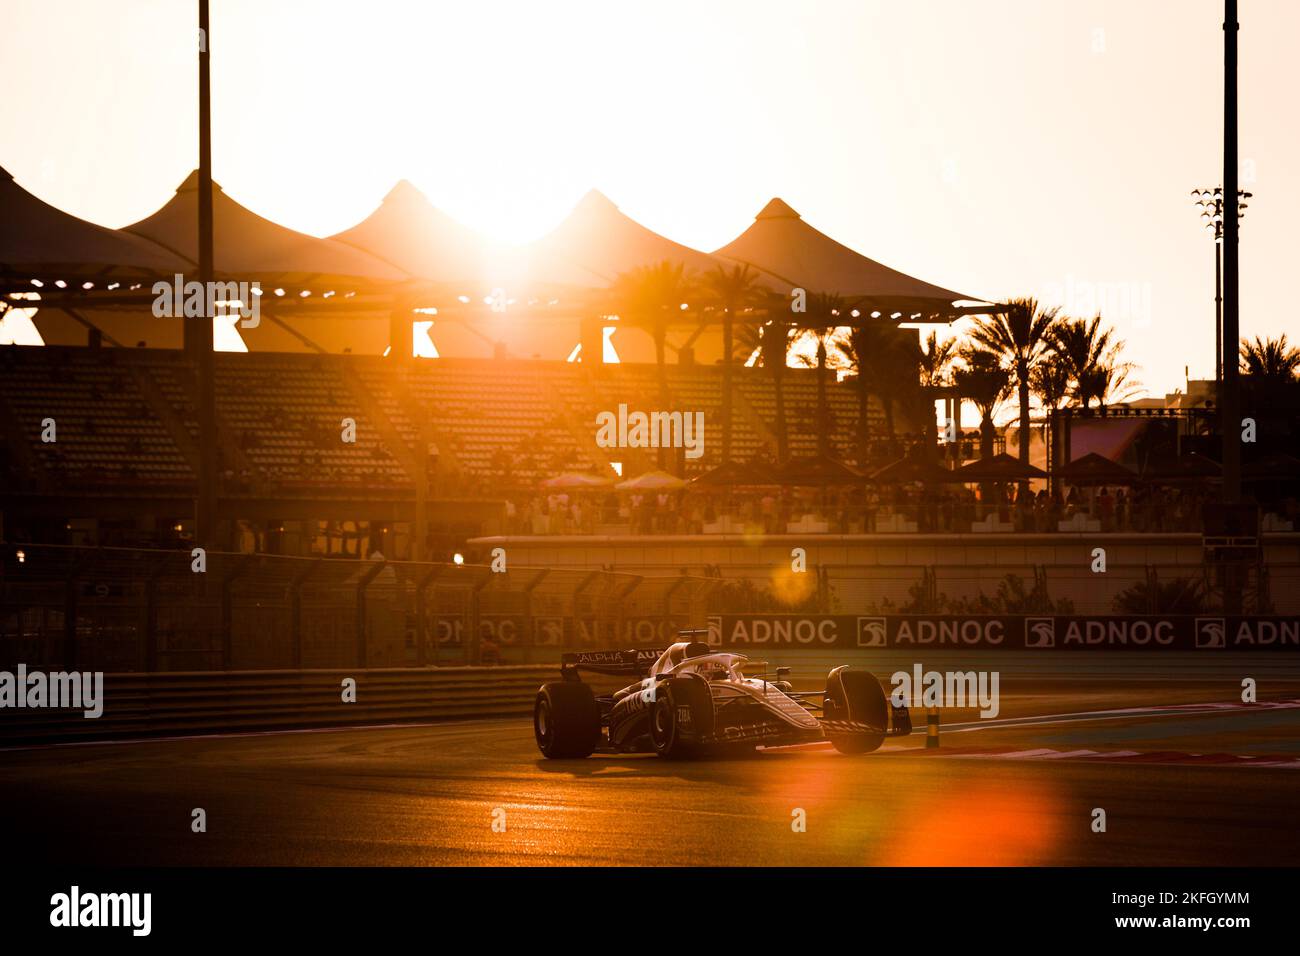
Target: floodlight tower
<point>1210,202</point>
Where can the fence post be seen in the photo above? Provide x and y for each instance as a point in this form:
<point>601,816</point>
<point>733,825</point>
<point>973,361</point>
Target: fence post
<point>70,618</point>
<point>362,584</point>
<point>295,610</point>
<point>578,591</point>
<point>433,621</point>
<point>475,642</point>
<point>528,610</point>
<point>668,596</point>
<point>150,622</point>
<point>241,565</point>
<point>619,597</point>
<point>421,652</point>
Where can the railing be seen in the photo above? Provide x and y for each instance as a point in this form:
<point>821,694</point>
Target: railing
<point>1173,511</point>
<point>125,610</point>
<point>121,610</point>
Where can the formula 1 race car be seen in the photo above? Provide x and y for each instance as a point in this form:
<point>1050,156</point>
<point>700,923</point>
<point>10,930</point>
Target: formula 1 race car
<point>690,700</point>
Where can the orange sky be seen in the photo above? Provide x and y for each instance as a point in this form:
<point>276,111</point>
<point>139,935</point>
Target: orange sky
<point>997,147</point>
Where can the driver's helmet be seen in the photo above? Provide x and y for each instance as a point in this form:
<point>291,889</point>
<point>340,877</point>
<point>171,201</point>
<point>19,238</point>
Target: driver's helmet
<point>712,670</point>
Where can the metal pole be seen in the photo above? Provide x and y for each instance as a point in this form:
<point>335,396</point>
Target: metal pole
<point>200,327</point>
<point>1231,400</point>
<point>1218,313</point>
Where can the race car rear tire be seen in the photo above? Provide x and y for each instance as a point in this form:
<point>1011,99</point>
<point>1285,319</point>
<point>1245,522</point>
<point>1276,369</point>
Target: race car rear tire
<point>855,712</point>
<point>681,717</point>
<point>566,720</point>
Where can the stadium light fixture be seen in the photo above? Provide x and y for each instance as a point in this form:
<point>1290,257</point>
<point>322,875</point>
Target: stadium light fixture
<point>1210,203</point>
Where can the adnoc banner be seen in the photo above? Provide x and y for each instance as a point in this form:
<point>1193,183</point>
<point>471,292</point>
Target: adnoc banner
<point>1207,633</point>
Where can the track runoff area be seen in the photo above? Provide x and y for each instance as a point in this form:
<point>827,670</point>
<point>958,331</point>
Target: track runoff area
<point>1137,787</point>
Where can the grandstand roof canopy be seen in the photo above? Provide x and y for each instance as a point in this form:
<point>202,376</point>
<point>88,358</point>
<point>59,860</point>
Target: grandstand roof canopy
<point>248,247</point>
<point>38,241</point>
<point>780,244</point>
<point>410,233</point>
<point>597,242</point>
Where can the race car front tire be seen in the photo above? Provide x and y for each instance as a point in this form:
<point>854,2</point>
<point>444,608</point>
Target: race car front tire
<point>681,716</point>
<point>566,720</point>
<point>855,714</point>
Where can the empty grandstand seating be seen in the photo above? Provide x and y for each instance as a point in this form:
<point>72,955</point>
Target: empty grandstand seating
<point>105,429</point>
<point>287,414</point>
<point>128,416</point>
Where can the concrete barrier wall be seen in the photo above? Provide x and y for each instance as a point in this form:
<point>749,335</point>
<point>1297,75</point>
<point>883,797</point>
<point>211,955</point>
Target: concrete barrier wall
<point>138,705</point>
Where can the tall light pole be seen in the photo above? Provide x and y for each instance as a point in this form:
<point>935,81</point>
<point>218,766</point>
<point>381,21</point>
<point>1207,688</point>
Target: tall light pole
<point>1230,400</point>
<point>1210,202</point>
<point>200,345</point>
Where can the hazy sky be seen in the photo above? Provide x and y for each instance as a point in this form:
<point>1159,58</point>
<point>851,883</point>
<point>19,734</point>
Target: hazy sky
<point>995,147</point>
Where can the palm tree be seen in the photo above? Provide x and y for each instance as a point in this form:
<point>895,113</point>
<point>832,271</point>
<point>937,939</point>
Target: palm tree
<point>1087,349</point>
<point>1270,359</point>
<point>859,347</point>
<point>888,363</point>
<point>1109,382</point>
<point>934,370</point>
<point>1050,381</point>
<point>731,290</point>
<point>769,344</point>
<point>985,381</point>
<point>821,320</point>
<point>1021,337</point>
<point>935,367</point>
<point>650,297</point>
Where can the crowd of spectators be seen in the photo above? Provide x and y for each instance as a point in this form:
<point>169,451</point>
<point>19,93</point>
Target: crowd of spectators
<point>930,509</point>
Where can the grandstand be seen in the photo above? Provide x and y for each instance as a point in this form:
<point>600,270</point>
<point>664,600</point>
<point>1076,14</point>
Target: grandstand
<point>126,429</point>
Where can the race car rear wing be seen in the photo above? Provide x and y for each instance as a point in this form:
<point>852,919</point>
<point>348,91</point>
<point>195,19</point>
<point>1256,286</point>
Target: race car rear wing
<point>632,663</point>
<point>635,662</point>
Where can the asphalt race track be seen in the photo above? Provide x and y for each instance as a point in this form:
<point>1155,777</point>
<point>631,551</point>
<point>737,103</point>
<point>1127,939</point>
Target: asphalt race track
<point>1185,775</point>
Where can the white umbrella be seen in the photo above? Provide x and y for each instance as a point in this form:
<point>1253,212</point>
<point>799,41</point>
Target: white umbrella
<point>577,481</point>
<point>652,481</point>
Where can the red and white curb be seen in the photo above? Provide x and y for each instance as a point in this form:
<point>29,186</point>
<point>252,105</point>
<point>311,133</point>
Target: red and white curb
<point>1275,761</point>
<point>1121,713</point>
